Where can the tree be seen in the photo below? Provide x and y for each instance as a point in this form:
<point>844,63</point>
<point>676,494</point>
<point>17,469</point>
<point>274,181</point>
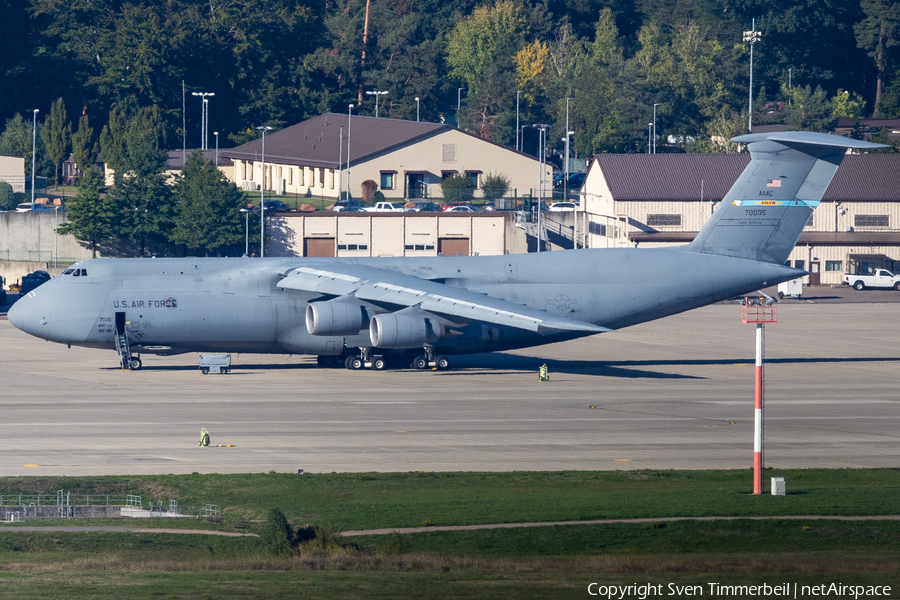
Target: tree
<point>458,188</point>
<point>277,536</point>
<point>809,109</point>
<point>845,105</point>
<point>55,135</point>
<point>92,216</point>
<point>83,147</point>
<point>369,188</point>
<point>8,198</point>
<point>494,186</point>
<point>208,209</point>
<point>878,32</point>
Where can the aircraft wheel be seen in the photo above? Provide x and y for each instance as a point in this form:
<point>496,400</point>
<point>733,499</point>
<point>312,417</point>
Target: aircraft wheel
<point>135,364</point>
<point>420,362</point>
<point>379,364</point>
<point>442,362</point>
<point>347,362</point>
<point>355,363</point>
<point>859,286</point>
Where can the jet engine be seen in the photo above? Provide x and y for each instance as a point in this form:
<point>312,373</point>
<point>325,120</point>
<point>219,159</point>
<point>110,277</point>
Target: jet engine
<point>334,318</point>
<point>394,330</point>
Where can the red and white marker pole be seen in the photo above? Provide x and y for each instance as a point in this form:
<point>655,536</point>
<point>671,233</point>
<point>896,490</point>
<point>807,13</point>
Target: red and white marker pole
<point>758,427</point>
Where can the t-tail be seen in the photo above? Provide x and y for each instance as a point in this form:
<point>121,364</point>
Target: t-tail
<point>762,216</point>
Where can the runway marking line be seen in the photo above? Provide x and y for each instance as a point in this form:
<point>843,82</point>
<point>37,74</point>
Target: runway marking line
<point>31,465</point>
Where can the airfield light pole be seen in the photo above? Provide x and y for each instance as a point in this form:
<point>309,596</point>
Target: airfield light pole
<point>654,127</point>
<point>542,129</point>
<point>569,134</point>
<point>417,109</point>
<point>33,150</point>
<point>755,311</point>
<point>517,121</point>
<point>204,112</point>
<point>246,231</point>
<point>649,138</point>
<point>340,185</point>
<point>349,117</point>
<point>216,133</point>
<point>751,37</point>
<point>376,94</point>
<point>262,187</point>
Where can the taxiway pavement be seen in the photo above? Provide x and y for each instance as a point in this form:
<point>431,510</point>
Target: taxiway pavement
<point>675,393</point>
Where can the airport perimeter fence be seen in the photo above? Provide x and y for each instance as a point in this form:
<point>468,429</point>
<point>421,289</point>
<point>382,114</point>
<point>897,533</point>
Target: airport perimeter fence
<point>66,505</point>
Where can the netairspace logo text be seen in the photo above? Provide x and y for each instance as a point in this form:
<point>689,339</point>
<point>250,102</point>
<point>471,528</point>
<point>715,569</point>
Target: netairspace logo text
<point>718,590</point>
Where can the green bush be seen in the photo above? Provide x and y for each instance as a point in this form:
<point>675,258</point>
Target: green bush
<point>458,188</point>
<point>495,186</point>
<point>7,197</point>
<point>277,536</point>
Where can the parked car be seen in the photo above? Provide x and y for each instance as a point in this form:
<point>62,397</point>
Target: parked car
<point>33,280</point>
<point>880,278</point>
<point>462,208</point>
<point>426,207</point>
<point>387,207</point>
<point>563,207</point>
<point>450,205</point>
<point>276,206</point>
<point>349,205</point>
<point>576,180</point>
<point>32,207</point>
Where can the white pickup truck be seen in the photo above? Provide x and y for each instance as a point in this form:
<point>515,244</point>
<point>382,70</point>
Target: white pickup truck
<point>882,278</point>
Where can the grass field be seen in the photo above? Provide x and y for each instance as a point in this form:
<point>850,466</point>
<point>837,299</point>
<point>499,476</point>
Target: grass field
<point>545,562</point>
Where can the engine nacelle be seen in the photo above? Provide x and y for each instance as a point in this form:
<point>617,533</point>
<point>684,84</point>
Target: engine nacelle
<point>334,318</point>
<point>392,330</point>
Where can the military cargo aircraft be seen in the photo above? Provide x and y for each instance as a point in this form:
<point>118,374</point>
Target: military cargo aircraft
<point>379,312</point>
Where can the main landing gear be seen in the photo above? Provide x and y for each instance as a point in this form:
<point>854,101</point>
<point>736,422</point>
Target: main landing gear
<point>377,362</point>
<point>430,361</point>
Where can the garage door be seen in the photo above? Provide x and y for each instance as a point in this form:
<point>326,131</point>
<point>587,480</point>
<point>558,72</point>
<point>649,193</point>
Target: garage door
<point>453,246</point>
<point>318,247</point>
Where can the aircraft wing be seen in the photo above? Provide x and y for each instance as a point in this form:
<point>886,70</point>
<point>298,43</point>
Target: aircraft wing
<point>387,287</point>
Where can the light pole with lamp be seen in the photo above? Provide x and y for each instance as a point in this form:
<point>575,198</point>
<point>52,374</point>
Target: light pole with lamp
<point>542,128</point>
<point>246,231</point>
<point>569,134</point>
<point>262,187</point>
<point>649,138</point>
<point>204,111</point>
<point>654,127</point>
<point>349,117</point>
<point>417,109</point>
<point>517,120</point>
<point>216,133</point>
<point>751,37</point>
<point>340,169</point>
<point>523,137</point>
<point>33,153</point>
<point>376,94</point>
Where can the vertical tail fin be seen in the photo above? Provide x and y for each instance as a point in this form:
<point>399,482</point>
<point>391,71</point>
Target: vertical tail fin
<point>764,213</point>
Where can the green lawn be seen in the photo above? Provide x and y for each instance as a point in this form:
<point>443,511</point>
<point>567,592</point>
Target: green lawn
<point>544,562</point>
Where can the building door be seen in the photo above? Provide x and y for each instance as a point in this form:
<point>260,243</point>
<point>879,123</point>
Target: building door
<point>318,247</point>
<point>415,185</point>
<point>453,246</point>
<point>815,278</point>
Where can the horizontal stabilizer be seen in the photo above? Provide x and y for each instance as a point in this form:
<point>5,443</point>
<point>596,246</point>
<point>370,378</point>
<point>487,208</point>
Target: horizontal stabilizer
<point>763,214</point>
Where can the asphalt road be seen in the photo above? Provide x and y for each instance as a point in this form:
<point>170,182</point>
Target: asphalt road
<point>677,393</point>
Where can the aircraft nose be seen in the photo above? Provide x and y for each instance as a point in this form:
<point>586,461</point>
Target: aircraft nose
<point>29,314</point>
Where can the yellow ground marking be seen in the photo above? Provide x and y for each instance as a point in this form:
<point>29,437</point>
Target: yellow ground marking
<point>622,459</point>
<point>31,465</point>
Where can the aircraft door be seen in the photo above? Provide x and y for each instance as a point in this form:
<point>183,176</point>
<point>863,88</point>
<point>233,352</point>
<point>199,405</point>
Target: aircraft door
<point>120,323</point>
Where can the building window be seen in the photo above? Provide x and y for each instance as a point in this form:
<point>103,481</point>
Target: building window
<point>472,176</point>
<point>810,222</point>
<point>446,174</point>
<point>664,220</point>
<point>387,180</point>
<point>834,265</point>
<point>800,264</point>
<point>448,153</point>
<point>871,221</point>
<point>290,175</point>
<point>301,175</point>
<point>597,228</point>
<point>321,177</point>
<point>419,247</point>
<point>353,247</point>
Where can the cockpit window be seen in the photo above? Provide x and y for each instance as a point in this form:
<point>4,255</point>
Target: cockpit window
<point>68,271</point>
<point>79,272</point>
